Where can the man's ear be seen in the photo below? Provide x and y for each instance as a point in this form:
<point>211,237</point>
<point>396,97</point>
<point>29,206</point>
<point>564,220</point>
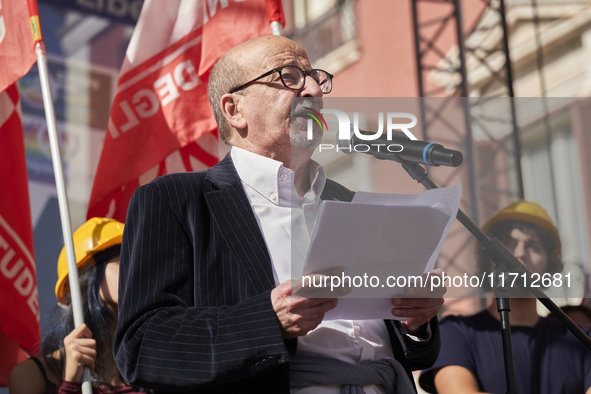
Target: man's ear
<point>230,106</point>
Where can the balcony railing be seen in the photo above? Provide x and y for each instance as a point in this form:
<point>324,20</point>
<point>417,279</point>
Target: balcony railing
<point>331,31</point>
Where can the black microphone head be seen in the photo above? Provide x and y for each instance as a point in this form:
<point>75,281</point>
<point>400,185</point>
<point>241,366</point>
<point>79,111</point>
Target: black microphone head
<point>456,159</point>
<point>345,146</point>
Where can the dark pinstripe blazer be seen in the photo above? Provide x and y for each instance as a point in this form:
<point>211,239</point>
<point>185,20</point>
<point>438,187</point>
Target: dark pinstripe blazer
<point>195,311</point>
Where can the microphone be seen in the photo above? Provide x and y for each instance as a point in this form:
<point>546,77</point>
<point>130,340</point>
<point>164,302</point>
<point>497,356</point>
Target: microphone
<point>400,148</point>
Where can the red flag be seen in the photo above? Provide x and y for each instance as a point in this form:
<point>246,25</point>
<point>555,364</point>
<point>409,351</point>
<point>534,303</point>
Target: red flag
<point>19,309</point>
<point>275,11</point>
<point>161,121</point>
<point>17,53</point>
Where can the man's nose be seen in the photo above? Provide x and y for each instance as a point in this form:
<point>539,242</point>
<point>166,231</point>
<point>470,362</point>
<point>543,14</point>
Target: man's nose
<point>311,88</point>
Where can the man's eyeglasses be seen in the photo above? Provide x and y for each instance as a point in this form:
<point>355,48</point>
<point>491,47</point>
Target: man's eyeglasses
<point>294,78</point>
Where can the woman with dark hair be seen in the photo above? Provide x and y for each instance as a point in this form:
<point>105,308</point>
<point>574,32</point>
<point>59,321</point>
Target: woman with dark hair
<point>67,349</point>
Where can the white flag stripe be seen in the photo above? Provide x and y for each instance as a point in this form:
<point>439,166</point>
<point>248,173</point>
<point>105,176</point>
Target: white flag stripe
<point>168,59</point>
<point>6,107</point>
<point>174,18</point>
<point>174,163</point>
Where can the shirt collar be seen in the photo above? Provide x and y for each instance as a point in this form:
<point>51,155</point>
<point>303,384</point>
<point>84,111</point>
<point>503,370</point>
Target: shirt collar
<point>318,180</point>
<point>272,180</point>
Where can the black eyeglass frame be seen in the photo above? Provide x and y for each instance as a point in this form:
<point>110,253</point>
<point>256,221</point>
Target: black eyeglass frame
<point>278,69</point>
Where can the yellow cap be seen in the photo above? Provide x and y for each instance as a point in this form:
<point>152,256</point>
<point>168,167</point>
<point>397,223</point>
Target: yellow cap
<point>528,212</point>
<point>94,236</point>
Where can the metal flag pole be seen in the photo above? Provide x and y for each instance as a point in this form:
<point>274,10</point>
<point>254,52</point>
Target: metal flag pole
<point>58,171</point>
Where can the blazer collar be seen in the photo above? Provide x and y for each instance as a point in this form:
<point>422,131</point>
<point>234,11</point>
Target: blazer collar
<point>224,173</point>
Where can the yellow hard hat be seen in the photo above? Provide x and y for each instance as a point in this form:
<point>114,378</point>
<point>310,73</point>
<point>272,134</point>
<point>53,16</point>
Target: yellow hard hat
<point>94,236</point>
<point>528,212</point>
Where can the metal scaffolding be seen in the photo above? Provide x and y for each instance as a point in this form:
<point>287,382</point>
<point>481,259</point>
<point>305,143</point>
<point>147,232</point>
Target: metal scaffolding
<point>491,171</point>
<point>437,28</point>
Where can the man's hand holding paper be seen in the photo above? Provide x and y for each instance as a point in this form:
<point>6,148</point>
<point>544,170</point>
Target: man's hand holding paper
<point>419,311</point>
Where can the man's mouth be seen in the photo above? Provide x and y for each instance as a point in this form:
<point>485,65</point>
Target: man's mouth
<point>304,107</point>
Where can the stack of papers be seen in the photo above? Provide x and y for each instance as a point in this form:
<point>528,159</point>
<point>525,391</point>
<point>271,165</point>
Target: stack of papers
<point>382,236</point>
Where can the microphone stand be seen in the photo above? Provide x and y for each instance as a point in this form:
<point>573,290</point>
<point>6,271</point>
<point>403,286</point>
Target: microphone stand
<point>504,307</point>
<point>500,255</point>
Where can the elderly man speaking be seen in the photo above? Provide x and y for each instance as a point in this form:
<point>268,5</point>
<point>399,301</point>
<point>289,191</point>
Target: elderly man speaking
<point>205,293</point>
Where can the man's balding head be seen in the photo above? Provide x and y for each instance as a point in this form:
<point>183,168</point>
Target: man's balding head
<point>239,65</point>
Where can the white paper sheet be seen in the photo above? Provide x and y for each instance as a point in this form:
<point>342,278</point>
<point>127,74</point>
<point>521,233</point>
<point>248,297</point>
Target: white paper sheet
<point>380,235</point>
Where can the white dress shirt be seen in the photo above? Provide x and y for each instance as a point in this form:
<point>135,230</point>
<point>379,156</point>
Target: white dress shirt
<point>281,213</point>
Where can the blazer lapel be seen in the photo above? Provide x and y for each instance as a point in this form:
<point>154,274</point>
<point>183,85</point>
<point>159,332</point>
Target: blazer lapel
<point>231,209</point>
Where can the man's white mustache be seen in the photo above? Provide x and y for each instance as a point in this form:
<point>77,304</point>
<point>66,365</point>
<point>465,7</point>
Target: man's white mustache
<point>305,105</point>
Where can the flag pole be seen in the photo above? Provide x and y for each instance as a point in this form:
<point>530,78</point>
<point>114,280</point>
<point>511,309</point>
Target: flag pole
<point>276,28</point>
<point>60,184</point>
<point>275,14</point>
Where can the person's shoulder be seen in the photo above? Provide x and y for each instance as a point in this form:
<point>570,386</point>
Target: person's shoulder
<point>461,319</point>
<point>176,178</point>
<point>453,321</point>
<point>476,321</point>
<point>552,324</point>
<point>27,377</point>
<point>558,339</point>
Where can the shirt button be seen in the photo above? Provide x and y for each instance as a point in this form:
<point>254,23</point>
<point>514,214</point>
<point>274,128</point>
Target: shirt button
<point>284,176</point>
<point>273,196</point>
<point>358,329</point>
